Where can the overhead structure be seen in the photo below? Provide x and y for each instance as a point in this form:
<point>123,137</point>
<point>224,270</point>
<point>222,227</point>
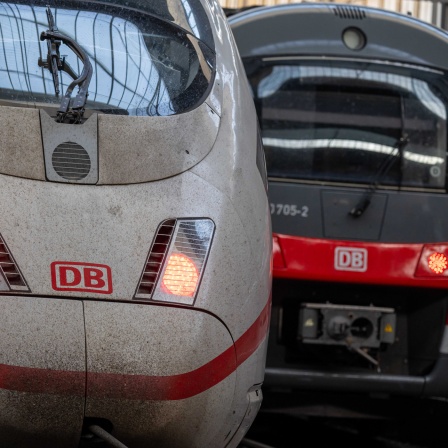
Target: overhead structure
<point>434,12</point>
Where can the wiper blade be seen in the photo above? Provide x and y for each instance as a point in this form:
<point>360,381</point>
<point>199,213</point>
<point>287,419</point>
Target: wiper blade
<point>68,111</point>
<point>53,62</point>
<point>386,165</point>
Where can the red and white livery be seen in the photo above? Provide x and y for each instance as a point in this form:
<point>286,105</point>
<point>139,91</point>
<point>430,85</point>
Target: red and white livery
<point>353,105</point>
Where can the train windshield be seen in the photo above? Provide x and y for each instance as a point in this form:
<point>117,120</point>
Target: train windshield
<point>352,122</point>
<point>146,58</point>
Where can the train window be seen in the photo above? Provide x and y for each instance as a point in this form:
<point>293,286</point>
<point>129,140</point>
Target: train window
<point>352,122</point>
<point>146,60</point>
<point>188,14</point>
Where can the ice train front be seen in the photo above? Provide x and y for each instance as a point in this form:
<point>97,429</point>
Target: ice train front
<point>135,237</point>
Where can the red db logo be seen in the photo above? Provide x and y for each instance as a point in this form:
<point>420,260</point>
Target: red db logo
<point>85,277</point>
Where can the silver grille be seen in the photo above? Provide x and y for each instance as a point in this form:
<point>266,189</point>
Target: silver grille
<point>155,259</point>
<point>349,12</point>
<point>190,242</point>
<point>71,161</point>
<point>10,270</point>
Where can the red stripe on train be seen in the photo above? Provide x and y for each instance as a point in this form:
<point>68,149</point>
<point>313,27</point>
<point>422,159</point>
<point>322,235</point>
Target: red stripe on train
<point>141,387</point>
<point>29,379</point>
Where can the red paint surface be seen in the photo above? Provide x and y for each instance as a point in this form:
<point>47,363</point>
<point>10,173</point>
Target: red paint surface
<point>28,379</point>
<point>387,264</point>
<point>172,387</point>
<point>277,255</point>
<point>139,387</point>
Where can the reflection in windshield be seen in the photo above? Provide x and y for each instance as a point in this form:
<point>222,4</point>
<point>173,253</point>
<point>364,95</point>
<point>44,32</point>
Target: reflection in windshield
<point>420,88</point>
<point>338,121</point>
<point>188,14</point>
<point>350,144</point>
<point>190,17</point>
<point>139,71</point>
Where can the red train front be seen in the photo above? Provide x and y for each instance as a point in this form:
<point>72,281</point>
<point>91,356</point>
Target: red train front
<point>352,103</point>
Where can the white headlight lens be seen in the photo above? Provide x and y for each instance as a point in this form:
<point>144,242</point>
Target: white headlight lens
<point>354,39</point>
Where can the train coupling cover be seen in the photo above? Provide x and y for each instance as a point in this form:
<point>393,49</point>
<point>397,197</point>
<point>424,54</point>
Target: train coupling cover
<point>357,327</point>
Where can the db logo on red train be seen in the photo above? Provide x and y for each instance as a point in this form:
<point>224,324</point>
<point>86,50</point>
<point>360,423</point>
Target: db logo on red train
<point>84,277</point>
<point>350,259</point>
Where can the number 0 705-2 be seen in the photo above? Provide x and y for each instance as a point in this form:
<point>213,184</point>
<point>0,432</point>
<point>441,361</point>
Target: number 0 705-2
<point>289,210</point>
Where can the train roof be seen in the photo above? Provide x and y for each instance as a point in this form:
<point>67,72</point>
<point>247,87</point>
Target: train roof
<point>317,29</point>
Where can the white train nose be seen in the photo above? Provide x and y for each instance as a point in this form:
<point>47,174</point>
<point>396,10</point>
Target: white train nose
<point>64,361</point>
<point>145,360</point>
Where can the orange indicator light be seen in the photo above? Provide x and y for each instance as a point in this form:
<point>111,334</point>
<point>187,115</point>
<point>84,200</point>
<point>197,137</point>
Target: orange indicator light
<point>181,276</point>
<point>437,262</point>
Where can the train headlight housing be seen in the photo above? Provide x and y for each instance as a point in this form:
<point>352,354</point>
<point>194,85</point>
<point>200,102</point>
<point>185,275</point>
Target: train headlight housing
<point>354,39</point>
<point>433,261</point>
<point>176,261</point>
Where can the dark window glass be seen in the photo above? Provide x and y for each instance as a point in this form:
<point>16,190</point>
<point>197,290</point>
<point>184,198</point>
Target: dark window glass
<point>352,122</point>
<point>188,14</point>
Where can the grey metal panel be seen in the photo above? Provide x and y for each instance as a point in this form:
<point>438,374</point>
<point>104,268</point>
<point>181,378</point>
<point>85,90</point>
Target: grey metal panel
<point>308,221</point>
<point>338,223</point>
<point>421,218</point>
<point>85,135</point>
<point>297,30</point>
<point>423,215</point>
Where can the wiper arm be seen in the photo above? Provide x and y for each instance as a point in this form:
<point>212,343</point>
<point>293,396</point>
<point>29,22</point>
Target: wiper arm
<point>386,165</point>
<point>73,112</point>
<point>53,62</point>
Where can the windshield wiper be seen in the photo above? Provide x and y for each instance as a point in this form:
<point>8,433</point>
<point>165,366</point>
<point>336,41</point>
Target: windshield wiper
<point>386,165</point>
<point>53,62</point>
<point>68,111</point>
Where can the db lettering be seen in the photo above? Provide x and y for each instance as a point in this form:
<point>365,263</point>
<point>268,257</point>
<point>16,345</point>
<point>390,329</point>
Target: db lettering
<point>66,276</point>
<point>350,259</point>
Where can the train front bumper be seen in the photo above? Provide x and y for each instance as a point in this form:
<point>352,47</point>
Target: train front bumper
<point>155,372</point>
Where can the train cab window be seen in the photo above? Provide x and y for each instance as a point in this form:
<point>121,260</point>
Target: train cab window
<point>147,58</point>
<point>353,122</point>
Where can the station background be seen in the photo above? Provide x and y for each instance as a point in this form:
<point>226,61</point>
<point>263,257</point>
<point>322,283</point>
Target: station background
<point>435,12</point>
